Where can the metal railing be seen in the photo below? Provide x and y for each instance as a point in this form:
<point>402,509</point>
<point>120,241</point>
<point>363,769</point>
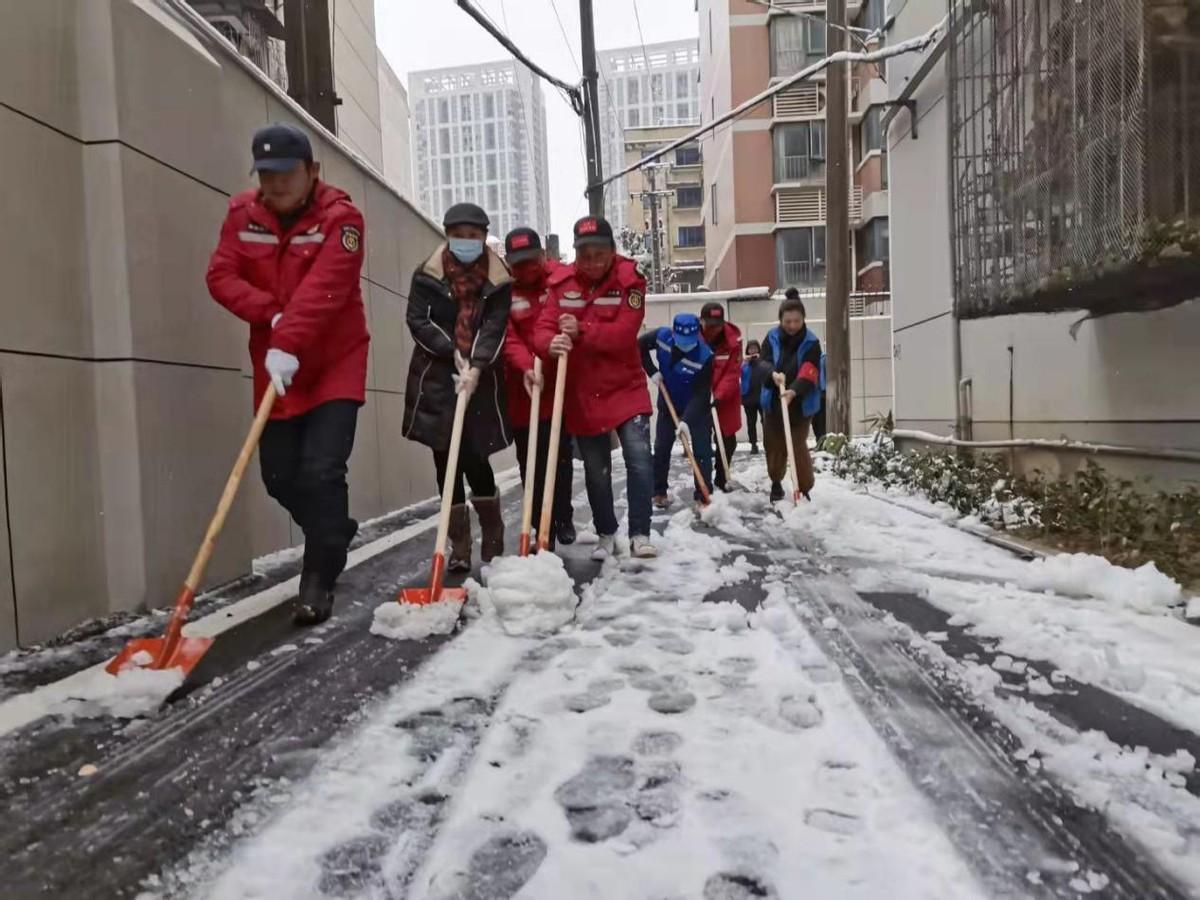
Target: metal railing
<point>804,275</point>
<point>798,168</point>
<point>789,62</point>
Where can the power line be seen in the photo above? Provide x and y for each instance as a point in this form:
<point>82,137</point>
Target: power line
<point>637,17</point>
<point>566,40</point>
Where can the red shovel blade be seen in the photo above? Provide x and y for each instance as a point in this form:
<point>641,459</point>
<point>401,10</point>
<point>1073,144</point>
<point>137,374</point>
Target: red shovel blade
<point>185,655</point>
<point>425,596</point>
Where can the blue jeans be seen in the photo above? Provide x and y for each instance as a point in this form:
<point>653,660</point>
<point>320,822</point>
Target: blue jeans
<point>596,451</point>
<point>664,441</point>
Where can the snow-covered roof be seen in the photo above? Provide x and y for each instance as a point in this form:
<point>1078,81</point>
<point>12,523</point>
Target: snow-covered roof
<point>751,293</point>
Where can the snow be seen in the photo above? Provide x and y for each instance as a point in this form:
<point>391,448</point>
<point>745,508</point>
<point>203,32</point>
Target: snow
<point>1144,589</point>
<point>416,621</point>
<point>131,693</point>
<point>529,595</point>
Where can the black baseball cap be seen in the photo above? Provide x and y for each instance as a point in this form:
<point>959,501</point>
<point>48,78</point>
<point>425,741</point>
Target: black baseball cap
<point>522,244</point>
<point>280,148</point>
<point>712,312</point>
<point>593,230</point>
<point>466,214</point>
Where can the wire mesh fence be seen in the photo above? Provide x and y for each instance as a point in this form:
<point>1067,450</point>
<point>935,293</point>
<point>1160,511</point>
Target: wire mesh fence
<point>1074,174</point>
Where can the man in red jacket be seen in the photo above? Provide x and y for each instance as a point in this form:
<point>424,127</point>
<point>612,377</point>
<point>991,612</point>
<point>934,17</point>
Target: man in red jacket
<point>725,340</point>
<point>593,316</point>
<point>531,271</point>
<point>288,263</point>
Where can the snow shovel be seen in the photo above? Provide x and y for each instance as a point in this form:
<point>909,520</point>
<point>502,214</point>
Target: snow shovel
<point>535,401</point>
<point>560,390</point>
<point>793,470</point>
<point>173,650</point>
<point>687,447</point>
<point>435,591</point>
<point>730,482</point>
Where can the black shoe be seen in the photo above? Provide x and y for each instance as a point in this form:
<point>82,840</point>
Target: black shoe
<point>776,491</point>
<point>565,533</point>
<point>808,496</point>
<point>315,603</point>
<point>754,449</point>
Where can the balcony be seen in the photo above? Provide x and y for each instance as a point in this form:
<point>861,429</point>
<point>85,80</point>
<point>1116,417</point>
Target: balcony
<point>807,205</point>
<point>798,168</point>
<point>807,276</point>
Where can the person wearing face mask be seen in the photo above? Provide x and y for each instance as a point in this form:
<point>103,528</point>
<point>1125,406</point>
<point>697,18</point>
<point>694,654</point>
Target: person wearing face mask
<point>725,340</point>
<point>753,374</point>
<point>458,310</point>
<point>593,316</point>
<point>793,355</point>
<point>531,271</point>
<point>682,365</point>
<point>288,263</point>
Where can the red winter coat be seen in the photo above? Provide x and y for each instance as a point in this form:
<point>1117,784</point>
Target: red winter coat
<point>310,274</point>
<point>727,379</point>
<point>519,352</point>
<point>606,384</point>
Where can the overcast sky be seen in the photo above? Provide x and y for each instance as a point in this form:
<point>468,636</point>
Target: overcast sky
<point>430,34</point>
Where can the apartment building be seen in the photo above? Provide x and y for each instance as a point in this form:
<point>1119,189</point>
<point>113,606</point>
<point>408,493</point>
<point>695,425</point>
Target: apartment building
<point>481,137</point>
<point>765,205</point>
<point>676,184</point>
<point>655,86</point>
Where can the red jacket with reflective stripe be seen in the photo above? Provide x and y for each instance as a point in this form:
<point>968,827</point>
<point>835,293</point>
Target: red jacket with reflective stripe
<point>727,379</point>
<point>606,384</point>
<point>519,352</point>
<point>310,274</point>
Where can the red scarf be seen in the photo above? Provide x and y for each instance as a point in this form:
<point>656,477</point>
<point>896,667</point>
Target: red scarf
<point>466,284</point>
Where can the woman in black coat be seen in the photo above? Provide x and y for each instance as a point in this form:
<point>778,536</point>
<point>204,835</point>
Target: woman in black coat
<point>458,315</point>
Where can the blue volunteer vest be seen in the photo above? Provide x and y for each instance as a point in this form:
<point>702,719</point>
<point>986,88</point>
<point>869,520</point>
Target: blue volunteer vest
<point>811,404</point>
<point>679,377</point>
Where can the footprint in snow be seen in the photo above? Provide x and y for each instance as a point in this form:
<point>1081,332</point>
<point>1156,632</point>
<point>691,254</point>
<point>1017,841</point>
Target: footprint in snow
<point>833,821</point>
<point>499,868</point>
<point>800,711</point>
<point>737,886</point>
<point>742,665</point>
<point>587,701</point>
<point>672,702</point>
<point>353,866</point>
<point>657,743</point>
<point>602,800</point>
<point>621,638</point>
<point>672,643</point>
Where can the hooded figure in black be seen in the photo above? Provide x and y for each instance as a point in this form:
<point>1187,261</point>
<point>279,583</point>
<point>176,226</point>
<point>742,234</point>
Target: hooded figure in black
<point>458,315</point>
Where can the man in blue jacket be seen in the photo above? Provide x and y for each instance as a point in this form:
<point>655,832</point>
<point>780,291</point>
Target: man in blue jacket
<point>794,356</point>
<point>679,362</point>
<point>753,376</point>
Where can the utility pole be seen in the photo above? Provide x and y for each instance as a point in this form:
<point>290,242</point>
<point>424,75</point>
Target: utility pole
<point>591,109</point>
<point>310,59</point>
<point>651,196</point>
<point>837,227</point>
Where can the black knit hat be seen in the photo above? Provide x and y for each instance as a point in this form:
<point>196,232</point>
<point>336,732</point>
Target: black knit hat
<point>465,214</point>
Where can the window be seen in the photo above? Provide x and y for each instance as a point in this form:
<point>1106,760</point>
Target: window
<point>873,15</point>
<point>489,106</point>
<point>795,44</point>
<point>690,236</point>
<point>493,199</point>
<point>491,167</point>
<point>465,108</point>
<point>444,140</point>
<point>631,91</point>
<point>687,156</point>
<point>800,256</point>
<point>443,111</point>
<point>712,194</point>
<point>871,243</point>
<point>446,176</point>
<point>447,199</point>
<point>681,112</point>
<point>468,139</point>
<point>634,118</point>
<point>658,86</point>
<point>799,151</point>
<point>469,169</point>
<point>689,197</point>
<point>872,130</point>
<point>489,136</point>
<point>681,84</point>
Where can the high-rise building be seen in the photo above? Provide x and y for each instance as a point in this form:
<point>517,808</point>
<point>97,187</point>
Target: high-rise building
<point>765,203</point>
<point>654,86</point>
<point>481,138</point>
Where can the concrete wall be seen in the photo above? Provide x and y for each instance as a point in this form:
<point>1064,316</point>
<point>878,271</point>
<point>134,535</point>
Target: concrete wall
<point>356,77</point>
<point>1123,379</point>
<point>396,119</point>
<point>124,389</point>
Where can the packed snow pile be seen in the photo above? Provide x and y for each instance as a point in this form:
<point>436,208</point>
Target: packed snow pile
<point>1144,589</point>
<point>723,515</point>
<point>528,594</point>
<point>134,692</point>
<point>416,621</point>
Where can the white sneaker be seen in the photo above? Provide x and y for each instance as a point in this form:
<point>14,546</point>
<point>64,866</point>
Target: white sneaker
<point>641,548</point>
<point>605,547</point>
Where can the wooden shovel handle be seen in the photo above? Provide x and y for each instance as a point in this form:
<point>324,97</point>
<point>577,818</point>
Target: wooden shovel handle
<point>560,390</point>
<point>721,444</point>
<point>535,401</point>
<point>791,447</point>
<point>209,544</point>
<point>687,445</point>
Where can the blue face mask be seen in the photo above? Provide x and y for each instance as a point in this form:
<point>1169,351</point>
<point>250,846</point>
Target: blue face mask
<point>466,250</point>
<point>686,343</point>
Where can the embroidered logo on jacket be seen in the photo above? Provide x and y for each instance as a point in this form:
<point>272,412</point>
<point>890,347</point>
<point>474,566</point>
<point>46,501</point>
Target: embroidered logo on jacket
<point>635,299</point>
<point>351,239</point>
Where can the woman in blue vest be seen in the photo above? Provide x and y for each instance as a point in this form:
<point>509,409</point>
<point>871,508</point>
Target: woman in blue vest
<point>793,354</point>
<point>680,363</point>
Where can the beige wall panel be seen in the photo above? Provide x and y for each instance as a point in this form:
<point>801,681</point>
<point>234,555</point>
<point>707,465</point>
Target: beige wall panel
<point>877,338</point>
<point>39,63</point>
<point>391,343</point>
<point>405,468</point>
<point>8,608</point>
<point>877,378</point>
<point>43,249</point>
<point>365,500</point>
<point>386,218</point>
<point>53,493</point>
<point>924,370</point>
<point>172,225</point>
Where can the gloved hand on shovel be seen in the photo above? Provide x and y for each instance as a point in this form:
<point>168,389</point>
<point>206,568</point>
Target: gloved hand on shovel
<point>684,433</point>
<point>282,367</point>
<point>466,382</point>
<point>533,380</point>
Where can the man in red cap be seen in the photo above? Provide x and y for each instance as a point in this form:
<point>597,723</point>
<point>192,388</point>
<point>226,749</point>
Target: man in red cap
<point>593,316</point>
<point>288,263</point>
<point>531,271</point>
<point>725,341</point>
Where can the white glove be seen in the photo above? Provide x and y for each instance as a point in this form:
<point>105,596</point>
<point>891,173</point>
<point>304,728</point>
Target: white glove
<point>460,362</point>
<point>466,382</point>
<point>275,319</point>
<point>282,367</point>
<point>532,380</point>
<point>684,433</point>
<point>656,379</point>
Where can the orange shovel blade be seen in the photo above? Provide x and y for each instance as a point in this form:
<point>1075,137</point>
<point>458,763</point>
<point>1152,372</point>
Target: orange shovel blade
<point>425,596</point>
<point>185,655</point>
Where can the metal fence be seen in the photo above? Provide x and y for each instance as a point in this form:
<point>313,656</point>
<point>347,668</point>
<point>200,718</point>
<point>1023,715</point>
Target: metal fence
<point>1073,138</point>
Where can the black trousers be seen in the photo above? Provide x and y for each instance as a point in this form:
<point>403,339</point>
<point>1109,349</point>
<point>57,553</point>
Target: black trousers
<point>730,442</point>
<point>303,463</point>
<point>753,412</point>
<point>475,469</point>
<point>818,421</point>
<point>564,473</point>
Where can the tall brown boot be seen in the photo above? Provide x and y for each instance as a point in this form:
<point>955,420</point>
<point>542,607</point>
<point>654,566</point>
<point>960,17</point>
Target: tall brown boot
<point>491,523</point>
<point>460,538</point>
